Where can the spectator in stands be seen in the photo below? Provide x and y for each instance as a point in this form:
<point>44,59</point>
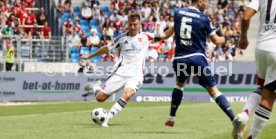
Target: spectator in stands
<point>83,43</point>
<point>117,5</point>
<point>117,32</point>
<point>12,20</point>
<point>73,39</point>
<point>101,18</point>
<point>45,31</point>
<point>16,30</point>
<point>124,18</point>
<point>68,7</point>
<point>9,55</point>
<point>17,6</point>
<point>147,2</point>
<point>108,30</point>
<point>220,13</point>
<point>127,8</point>
<point>94,3</point>
<point>228,50</point>
<point>86,12</point>
<point>146,9</point>
<point>23,15</point>
<point>105,38</point>
<point>234,5</point>
<point>223,3</point>
<point>3,19</point>
<point>109,57</point>
<point>29,3</point>
<point>230,14</point>
<point>35,31</point>
<point>117,23</point>
<point>156,9</point>
<point>59,5</point>
<point>8,30</point>
<point>95,12</point>
<point>77,27</point>
<point>29,23</point>
<point>105,24</point>
<point>68,25</point>
<point>41,17</point>
<point>94,40</point>
<point>137,8</point>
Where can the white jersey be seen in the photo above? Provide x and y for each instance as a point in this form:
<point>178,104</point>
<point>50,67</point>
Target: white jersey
<point>267,29</point>
<point>131,53</point>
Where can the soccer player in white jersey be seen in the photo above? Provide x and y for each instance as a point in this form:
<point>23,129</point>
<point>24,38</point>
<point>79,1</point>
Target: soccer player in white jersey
<point>265,60</point>
<point>131,49</point>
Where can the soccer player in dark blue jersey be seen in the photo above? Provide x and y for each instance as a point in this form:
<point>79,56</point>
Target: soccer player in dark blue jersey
<point>191,29</point>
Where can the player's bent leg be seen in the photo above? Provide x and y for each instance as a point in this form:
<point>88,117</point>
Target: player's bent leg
<point>250,106</point>
<point>263,112</point>
<point>221,101</point>
<point>225,106</point>
<point>101,97</point>
<point>119,105</point>
<point>177,96</point>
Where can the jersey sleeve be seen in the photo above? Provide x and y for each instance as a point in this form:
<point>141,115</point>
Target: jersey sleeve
<point>150,36</point>
<point>254,4</point>
<point>116,43</point>
<point>111,47</point>
<point>209,27</point>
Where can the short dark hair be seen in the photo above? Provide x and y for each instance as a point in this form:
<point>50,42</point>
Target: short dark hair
<point>134,16</point>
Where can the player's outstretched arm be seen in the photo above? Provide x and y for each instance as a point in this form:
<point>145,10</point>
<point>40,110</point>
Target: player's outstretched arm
<point>100,51</point>
<point>164,36</point>
<point>217,40</point>
<point>243,43</point>
<point>168,33</point>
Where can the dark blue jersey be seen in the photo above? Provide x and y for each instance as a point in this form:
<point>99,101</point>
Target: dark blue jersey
<point>191,30</point>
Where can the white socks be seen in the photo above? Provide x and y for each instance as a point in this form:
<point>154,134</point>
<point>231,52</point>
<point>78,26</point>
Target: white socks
<point>172,118</point>
<point>116,108</point>
<point>261,117</point>
<point>253,101</point>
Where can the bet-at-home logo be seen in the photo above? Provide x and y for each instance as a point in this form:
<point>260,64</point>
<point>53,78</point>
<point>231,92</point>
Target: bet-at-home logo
<point>50,86</point>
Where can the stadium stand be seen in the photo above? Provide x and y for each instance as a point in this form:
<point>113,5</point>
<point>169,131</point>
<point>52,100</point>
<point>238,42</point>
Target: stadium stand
<point>110,20</point>
<point>26,19</point>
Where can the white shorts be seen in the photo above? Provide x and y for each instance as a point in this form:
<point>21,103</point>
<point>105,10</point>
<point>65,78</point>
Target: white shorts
<point>266,66</point>
<point>116,83</point>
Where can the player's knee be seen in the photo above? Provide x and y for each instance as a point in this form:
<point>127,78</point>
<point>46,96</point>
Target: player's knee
<point>101,97</point>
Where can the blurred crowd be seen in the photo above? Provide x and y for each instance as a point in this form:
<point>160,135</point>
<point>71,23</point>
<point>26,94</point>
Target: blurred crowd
<point>92,25</point>
<point>19,17</point>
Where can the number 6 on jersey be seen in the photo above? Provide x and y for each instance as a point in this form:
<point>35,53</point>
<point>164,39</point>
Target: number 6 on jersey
<point>186,30</point>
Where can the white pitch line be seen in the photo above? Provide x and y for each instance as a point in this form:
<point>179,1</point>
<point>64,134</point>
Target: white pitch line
<point>41,114</point>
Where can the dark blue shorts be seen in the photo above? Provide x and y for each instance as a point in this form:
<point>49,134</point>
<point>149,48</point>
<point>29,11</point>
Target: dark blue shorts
<point>198,65</point>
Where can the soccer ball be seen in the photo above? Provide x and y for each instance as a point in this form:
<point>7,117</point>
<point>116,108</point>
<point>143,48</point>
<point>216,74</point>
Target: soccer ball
<point>98,115</point>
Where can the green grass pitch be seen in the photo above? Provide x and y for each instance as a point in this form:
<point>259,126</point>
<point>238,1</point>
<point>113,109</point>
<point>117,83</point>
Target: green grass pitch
<point>71,120</point>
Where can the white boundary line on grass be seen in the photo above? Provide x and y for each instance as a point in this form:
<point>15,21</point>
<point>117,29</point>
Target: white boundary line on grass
<point>41,114</point>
